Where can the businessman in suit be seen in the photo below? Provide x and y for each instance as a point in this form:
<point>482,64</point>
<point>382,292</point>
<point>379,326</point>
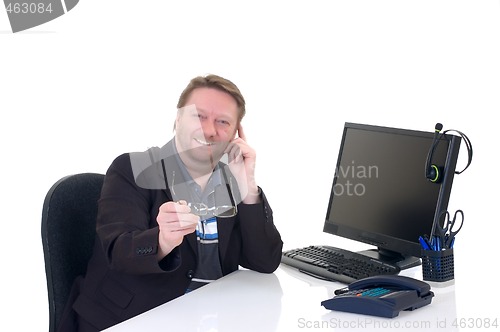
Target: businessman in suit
<point>175,218</point>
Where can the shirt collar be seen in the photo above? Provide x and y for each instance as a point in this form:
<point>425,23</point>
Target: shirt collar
<point>194,188</point>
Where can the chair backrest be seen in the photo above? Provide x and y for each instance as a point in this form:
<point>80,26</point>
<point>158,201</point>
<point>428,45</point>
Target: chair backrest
<point>68,235</point>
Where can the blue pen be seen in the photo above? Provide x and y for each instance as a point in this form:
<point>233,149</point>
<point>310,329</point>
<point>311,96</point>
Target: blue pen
<point>423,243</point>
<point>433,243</point>
<point>451,243</point>
<point>437,243</point>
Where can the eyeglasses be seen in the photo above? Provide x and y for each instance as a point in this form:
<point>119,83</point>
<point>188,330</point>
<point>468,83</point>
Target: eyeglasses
<point>222,211</point>
<point>224,203</point>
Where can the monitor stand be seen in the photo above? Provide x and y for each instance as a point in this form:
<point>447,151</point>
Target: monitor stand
<point>393,258</point>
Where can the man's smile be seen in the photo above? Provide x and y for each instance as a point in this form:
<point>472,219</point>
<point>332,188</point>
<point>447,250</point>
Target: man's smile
<point>204,142</point>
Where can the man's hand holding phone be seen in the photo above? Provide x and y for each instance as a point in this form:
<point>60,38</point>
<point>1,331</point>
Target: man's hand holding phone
<point>241,159</point>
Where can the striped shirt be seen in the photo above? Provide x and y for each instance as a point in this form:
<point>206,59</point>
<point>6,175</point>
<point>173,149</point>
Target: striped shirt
<point>209,266</point>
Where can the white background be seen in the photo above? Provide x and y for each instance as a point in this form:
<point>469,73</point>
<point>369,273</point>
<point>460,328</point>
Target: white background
<point>104,79</point>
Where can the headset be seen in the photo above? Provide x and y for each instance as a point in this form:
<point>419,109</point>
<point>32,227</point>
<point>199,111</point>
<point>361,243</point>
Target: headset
<point>434,172</point>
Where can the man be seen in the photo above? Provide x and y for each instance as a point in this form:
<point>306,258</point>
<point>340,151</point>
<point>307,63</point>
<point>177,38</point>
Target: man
<point>175,218</point>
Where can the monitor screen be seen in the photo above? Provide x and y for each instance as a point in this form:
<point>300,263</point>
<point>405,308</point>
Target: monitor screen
<point>380,193</point>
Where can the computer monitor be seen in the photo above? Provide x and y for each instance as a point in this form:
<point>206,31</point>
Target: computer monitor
<point>381,194</point>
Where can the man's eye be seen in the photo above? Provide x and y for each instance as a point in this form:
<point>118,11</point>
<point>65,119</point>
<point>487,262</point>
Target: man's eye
<point>224,122</point>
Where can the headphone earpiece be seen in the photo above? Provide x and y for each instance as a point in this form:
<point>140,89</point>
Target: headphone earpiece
<point>434,173</point>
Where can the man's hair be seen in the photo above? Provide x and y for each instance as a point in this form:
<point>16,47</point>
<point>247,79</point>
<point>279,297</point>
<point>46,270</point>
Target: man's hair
<point>214,82</point>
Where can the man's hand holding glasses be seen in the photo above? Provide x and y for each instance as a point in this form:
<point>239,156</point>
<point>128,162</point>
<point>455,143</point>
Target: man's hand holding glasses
<point>174,221</point>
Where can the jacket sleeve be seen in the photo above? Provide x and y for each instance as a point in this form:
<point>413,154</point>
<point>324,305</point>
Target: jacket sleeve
<point>260,239</point>
<point>126,224</point>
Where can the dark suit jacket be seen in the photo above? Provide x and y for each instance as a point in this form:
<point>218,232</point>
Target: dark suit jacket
<point>124,277</point>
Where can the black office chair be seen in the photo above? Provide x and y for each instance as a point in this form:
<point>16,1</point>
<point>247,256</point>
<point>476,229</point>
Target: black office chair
<point>68,235</point>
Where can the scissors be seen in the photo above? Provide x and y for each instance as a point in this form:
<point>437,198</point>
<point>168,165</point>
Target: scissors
<point>447,233</point>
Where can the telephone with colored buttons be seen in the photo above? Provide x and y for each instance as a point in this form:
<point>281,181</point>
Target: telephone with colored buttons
<point>383,296</point>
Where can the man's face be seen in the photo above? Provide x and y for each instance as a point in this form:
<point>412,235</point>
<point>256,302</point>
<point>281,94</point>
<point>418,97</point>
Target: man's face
<point>205,126</point>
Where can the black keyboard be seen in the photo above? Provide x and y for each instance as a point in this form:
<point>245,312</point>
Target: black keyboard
<point>336,264</point>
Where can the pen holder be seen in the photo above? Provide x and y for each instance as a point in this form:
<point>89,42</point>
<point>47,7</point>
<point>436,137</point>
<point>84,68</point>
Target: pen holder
<point>438,265</point>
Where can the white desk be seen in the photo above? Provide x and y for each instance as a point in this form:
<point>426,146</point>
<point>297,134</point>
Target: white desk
<point>284,301</point>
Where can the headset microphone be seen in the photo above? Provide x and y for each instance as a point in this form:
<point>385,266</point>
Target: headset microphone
<point>437,129</point>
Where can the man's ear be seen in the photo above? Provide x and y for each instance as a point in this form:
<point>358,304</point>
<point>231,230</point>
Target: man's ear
<point>177,117</point>
<point>175,122</point>
<point>237,130</point>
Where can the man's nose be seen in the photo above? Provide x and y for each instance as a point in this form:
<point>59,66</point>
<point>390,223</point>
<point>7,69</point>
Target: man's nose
<point>209,129</point>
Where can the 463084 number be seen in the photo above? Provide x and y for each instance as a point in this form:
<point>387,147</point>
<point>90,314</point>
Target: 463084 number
<point>476,323</point>
<point>29,8</point>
